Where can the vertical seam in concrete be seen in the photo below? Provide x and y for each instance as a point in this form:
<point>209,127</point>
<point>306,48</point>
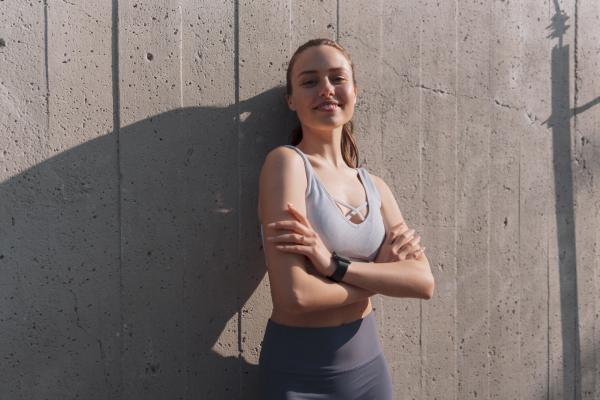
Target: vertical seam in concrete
<point>519,235</point>
<point>380,80</point>
<point>548,209</point>
<point>337,36</point>
<point>184,357</point>
<point>519,211</point>
<point>575,75</point>
<point>116,99</point>
<point>236,72</point>
<point>488,184</point>
<point>455,190</point>
<point>578,378</point>
<point>181,83</point>
<point>381,299</point>
<point>547,281</point>
<point>420,152</point>
<point>46,66</point>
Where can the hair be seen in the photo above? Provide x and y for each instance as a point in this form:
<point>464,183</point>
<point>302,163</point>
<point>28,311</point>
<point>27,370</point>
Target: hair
<point>348,145</point>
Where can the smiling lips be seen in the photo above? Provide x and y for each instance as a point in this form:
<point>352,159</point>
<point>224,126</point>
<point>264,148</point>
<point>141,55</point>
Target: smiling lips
<point>327,106</point>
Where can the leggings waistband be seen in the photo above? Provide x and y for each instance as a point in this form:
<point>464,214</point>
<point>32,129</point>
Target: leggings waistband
<point>312,351</point>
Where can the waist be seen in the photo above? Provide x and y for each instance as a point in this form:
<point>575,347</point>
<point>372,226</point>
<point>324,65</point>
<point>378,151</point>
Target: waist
<point>324,318</point>
<point>317,351</point>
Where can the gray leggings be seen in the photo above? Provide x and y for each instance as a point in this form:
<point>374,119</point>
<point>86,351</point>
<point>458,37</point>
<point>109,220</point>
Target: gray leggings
<point>341,362</point>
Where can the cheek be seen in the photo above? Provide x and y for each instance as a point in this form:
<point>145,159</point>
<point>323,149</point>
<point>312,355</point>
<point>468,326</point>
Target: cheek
<point>304,101</point>
<point>349,95</point>
<point>352,93</point>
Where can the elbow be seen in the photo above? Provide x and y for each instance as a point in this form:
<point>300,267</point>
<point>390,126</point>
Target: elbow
<point>294,305</point>
<point>296,298</point>
<point>428,287</point>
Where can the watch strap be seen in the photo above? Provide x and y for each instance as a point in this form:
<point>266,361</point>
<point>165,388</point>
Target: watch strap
<point>342,266</point>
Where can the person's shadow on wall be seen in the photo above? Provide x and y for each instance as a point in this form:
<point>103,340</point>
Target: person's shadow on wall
<point>127,259</point>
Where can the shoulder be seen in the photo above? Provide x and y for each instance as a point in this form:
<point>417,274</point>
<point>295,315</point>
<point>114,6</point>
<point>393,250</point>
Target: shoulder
<point>281,165</point>
<point>283,157</point>
<point>377,181</point>
<point>382,187</point>
<point>282,179</point>
<point>389,207</point>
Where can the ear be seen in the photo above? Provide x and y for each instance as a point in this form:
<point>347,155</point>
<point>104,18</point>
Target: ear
<point>290,103</point>
<point>355,93</point>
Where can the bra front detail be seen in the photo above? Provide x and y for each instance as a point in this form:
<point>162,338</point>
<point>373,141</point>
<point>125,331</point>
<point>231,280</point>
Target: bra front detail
<point>360,242</point>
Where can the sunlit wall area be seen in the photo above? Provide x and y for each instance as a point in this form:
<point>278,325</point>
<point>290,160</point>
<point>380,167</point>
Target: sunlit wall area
<point>132,135</point>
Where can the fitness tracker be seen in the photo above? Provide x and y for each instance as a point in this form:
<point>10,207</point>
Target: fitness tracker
<point>342,266</point>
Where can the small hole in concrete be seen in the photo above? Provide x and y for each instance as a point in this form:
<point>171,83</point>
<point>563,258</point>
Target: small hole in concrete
<point>149,57</point>
<point>2,42</point>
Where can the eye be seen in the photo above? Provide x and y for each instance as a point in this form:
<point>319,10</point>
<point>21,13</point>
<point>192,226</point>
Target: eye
<point>309,82</point>
<point>339,79</point>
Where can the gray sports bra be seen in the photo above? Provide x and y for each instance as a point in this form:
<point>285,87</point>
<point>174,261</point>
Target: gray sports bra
<point>360,242</point>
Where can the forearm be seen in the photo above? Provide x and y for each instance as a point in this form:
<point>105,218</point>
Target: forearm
<point>315,293</point>
<point>408,278</point>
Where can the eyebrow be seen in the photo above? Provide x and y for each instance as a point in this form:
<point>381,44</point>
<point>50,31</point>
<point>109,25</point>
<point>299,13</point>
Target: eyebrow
<point>314,71</point>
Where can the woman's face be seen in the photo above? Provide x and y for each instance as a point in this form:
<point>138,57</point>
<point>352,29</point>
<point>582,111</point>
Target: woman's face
<point>323,94</point>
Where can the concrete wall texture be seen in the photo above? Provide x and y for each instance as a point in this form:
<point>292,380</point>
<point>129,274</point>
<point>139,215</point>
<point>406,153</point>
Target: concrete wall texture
<point>132,137</point>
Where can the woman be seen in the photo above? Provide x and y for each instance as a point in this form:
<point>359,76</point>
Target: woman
<point>321,341</point>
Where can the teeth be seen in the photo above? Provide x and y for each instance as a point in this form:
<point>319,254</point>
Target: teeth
<point>328,106</point>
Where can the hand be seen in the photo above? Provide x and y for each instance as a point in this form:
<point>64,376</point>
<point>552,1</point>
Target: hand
<point>399,245</point>
<point>308,242</point>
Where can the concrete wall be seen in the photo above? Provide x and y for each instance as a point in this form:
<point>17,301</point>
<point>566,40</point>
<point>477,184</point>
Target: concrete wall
<point>132,134</point>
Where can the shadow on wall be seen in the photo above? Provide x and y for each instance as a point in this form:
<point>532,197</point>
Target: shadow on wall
<point>136,289</point>
<point>560,123</point>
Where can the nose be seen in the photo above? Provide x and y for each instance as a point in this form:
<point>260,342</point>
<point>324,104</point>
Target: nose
<point>326,88</point>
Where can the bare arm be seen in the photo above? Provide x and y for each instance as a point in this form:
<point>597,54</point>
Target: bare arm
<point>390,276</point>
<point>294,289</point>
<point>407,278</point>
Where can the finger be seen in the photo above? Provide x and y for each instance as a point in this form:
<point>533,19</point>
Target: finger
<point>404,235</point>
<point>295,226</point>
<point>398,226</point>
<point>394,232</point>
<point>417,253</point>
<point>299,216</point>
<point>403,238</point>
<point>298,249</point>
<point>409,247</point>
<point>292,237</point>
<point>397,229</point>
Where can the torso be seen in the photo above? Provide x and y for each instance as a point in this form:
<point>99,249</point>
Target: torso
<point>345,186</point>
<point>348,187</point>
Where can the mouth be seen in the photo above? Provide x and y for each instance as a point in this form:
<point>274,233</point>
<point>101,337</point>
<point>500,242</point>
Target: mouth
<point>327,106</point>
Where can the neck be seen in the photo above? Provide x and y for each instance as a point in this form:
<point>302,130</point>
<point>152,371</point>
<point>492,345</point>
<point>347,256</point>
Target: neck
<point>323,144</point>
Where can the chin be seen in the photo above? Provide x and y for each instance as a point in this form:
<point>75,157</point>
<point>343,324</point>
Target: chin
<point>327,126</point>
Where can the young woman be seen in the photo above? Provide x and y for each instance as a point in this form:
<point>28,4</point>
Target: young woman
<point>327,250</point>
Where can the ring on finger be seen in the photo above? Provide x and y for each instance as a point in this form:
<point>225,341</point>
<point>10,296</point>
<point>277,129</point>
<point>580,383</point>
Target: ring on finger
<point>302,242</point>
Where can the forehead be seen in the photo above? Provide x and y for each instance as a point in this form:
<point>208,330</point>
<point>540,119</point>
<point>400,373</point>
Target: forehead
<point>320,58</point>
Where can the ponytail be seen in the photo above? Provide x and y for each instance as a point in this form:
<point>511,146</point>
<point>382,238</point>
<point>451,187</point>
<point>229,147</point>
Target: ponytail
<point>349,148</point>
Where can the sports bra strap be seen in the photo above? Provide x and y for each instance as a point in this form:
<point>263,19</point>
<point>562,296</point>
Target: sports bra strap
<point>311,175</point>
<point>355,211</point>
<point>307,165</point>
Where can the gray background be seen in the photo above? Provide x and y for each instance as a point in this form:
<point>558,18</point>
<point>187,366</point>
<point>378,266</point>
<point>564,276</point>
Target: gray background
<point>132,137</point>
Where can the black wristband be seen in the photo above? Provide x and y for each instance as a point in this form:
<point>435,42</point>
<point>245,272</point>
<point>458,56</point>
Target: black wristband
<point>342,266</point>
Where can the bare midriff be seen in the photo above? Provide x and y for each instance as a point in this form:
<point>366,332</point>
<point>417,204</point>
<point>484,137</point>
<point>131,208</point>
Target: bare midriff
<point>324,318</point>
